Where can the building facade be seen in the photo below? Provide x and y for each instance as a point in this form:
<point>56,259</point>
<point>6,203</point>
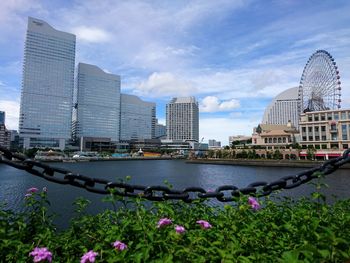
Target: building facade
<point>137,118</point>
<point>273,136</point>
<point>325,129</point>
<point>47,86</point>
<point>5,137</point>
<point>182,119</point>
<point>2,118</point>
<point>283,108</point>
<point>96,113</point>
<point>160,132</point>
<point>214,144</point>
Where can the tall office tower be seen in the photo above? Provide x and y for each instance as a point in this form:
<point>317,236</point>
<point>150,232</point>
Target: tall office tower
<point>182,120</point>
<point>47,86</point>
<point>283,108</point>
<point>96,112</point>
<point>2,118</point>
<point>138,118</point>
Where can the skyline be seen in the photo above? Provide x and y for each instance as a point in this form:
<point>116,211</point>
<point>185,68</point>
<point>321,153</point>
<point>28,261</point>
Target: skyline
<point>233,56</point>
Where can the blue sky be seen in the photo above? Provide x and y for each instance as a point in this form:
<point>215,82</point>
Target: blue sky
<point>233,56</point>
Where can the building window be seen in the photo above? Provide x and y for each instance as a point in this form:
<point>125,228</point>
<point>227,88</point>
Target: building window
<point>334,137</point>
<point>323,117</point>
<point>323,128</point>
<point>344,132</point>
<point>284,139</point>
<point>324,138</point>
<point>336,116</point>
<point>310,138</point>
<point>343,115</point>
<point>316,117</point>
<point>309,118</point>
<point>274,140</point>
<point>310,129</point>
<point>265,140</point>
<point>324,146</point>
<point>270,140</point>
<point>329,116</point>
<point>317,138</point>
<point>303,129</point>
<point>316,128</point>
<point>345,146</point>
<point>304,138</point>
<point>334,146</point>
<point>279,140</point>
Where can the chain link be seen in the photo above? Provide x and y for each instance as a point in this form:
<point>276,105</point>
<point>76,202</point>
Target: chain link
<point>224,193</point>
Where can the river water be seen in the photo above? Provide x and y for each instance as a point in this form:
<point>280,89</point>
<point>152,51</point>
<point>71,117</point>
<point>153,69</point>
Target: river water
<point>14,183</point>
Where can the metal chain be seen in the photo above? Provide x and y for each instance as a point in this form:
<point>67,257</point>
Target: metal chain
<point>225,193</point>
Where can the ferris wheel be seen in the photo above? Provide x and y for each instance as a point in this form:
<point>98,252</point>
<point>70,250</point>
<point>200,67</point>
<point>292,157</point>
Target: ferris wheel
<point>319,87</point>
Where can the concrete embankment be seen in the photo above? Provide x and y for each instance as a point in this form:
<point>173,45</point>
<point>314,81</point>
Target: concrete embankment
<point>267,163</point>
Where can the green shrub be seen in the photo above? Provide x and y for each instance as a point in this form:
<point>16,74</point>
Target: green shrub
<point>307,230</point>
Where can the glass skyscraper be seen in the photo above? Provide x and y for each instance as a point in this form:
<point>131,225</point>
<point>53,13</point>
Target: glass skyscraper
<point>2,118</point>
<point>47,86</point>
<point>182,119</point>
<point>96,112</point>
<point>138,118</point>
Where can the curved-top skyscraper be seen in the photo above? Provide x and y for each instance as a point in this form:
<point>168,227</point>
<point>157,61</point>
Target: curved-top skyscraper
<point>283,108</point>
<point>47,86</point>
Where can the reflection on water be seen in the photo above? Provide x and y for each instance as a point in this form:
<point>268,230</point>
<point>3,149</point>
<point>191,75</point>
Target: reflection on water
<point>14,182</point>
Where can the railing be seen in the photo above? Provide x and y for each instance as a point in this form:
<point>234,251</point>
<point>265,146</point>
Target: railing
<point>224,193</point>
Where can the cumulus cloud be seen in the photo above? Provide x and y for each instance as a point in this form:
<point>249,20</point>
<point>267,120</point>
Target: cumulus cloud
<point>91,34</point>
<point>11,109</point>
<point>220,128</point>
<point>165,84</point>
<point>213,104</point>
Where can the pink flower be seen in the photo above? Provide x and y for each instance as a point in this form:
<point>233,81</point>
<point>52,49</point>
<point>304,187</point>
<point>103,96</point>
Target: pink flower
<point>253,203</point>
<point>204,224</point>
<point>118,245</point>
<point>164,222</point>
<point>88,257</point>
<point>32,190</point>
<point>180,229</point>
<point>41,254</point>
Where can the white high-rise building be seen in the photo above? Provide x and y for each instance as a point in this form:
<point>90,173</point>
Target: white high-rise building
<point>47,86</point>
<point>96,111</point>
<point>283,108</point>
<point>182,119</point>
<point>138,118</point>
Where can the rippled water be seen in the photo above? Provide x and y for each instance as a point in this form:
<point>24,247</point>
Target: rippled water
<point>14,182</point>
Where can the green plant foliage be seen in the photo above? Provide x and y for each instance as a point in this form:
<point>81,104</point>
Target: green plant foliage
<point>307,230</point>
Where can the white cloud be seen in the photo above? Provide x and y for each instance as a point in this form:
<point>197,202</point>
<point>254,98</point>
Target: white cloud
<point>165,84</point>
<point>11,109</point>
<point>213,104</point>
<point>91,34</point>
<point>221,128</point>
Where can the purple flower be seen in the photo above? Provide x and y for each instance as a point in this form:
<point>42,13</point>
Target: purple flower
<point>253,203</point>
<point>204,224</point>
<point>41,254</point>
<point>88,257</point>
<point>164,222</point>
<point>180,229</point>
<point>118,245</point>
<point>32,190</point>
<point>27,195</point>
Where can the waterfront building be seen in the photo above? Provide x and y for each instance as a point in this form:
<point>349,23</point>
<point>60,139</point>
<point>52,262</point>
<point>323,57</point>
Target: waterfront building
<point>5,136</point>
<point>213,144</point>
<point>328,129</point>
<point>96,113</point>
<point>182,119</point>
<point>47,86</point>
<point>2,118</point>
<point>283,108</point>
<point>274,136</point>
<point>160,132</point>
<point>138,118</point>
